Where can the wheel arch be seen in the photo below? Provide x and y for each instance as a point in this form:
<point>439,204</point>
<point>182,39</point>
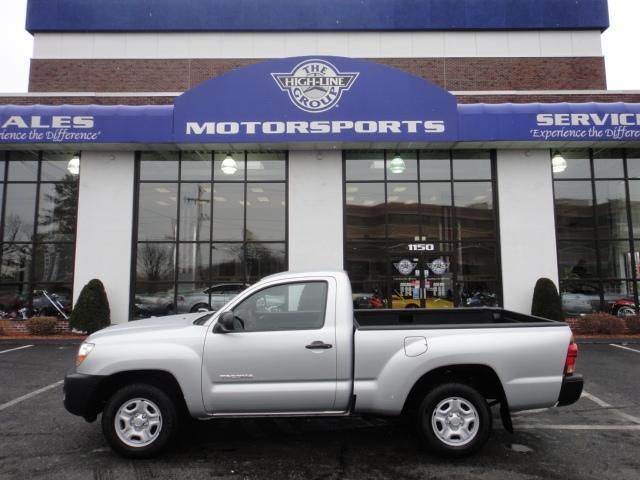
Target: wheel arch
<point>481,377</point>
<point>159,378</point>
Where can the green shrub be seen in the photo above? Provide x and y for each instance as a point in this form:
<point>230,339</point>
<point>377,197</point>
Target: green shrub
<point>633,324</point>
<point>42,325</point>
<point>602,323</point>
<point>546,300</point>
<point>91,312</point>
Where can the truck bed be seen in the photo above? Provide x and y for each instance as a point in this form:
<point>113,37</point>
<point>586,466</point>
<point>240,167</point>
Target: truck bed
<point>410,319</point>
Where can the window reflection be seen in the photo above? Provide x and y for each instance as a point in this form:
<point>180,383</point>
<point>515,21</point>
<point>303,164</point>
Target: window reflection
<point>397,232</point>
<point>154,299</point>
<point>16,262</point>
<point>159,166</point>
<point>611,209</point>
<point>437,210</point>
<point>264,259</point>
<point>475,218</point>
<point>364,165</point>
<point>19,212</point>
<point>574,209</point>
<point>57,214</point>
<point>155,262</point>
<point>403,210</point>
<point>597,272</point>
<point>196,166</point>
<point>193,262</point>
<point>365,211</point>
<point>435,165</point>
<point>578,165</point>
<point>471,165</point>
<point>195,212</point>
<point>35,260</point>
<point>608,164</point>
<point>228,211</point>
<point>265,206</point>
<point>213,236</point>
<point>54,262</point>
<point>266,166</point>
<point>158,211</point>
<point>23,167</point>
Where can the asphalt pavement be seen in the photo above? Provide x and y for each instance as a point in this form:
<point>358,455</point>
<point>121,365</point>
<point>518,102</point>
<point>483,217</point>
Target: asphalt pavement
<point>597,438</point>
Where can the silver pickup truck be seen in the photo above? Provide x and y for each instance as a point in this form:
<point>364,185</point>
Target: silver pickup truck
<point>292,345</point>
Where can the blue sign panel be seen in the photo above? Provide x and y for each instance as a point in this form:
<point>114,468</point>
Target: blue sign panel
<point>313,15</point>
<point>318,99</point>
<point>315,99</point>
<point>88,124</point>
<point>551,122</point>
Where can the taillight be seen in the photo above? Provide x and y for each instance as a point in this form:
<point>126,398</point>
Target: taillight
<point>572,355</point>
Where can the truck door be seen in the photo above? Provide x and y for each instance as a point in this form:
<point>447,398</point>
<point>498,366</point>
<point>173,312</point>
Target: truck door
<point>281,355</point>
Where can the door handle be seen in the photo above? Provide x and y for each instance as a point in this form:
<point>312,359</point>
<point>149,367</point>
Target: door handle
<point>318,345</point>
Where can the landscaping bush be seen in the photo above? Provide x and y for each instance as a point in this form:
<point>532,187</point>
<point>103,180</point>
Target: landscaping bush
<point>41,325</point>
<point>633,324</point>
<point>546,300</point>
<point>91,312</point>
<point>602,323</point>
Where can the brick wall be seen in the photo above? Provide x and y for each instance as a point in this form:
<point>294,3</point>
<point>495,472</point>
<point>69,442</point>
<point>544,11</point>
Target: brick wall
<point>19,327</point>
<point>168,100</point>
<point>575,73</point>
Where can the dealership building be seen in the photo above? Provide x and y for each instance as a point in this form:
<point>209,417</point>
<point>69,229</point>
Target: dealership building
<point>443,153</point>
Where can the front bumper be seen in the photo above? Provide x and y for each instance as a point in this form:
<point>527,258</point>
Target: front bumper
<point>81,394</point>
<point>571,390</point>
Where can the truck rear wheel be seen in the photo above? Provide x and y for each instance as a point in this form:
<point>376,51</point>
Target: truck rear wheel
<point>139,420</point>
<point>454,420</point>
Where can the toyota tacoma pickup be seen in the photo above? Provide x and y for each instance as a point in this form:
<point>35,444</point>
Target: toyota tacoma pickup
<point>292,345</point>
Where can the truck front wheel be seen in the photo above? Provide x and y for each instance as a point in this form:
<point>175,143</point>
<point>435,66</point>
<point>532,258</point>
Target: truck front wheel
<point>139,420</point>
<point>454,420</point>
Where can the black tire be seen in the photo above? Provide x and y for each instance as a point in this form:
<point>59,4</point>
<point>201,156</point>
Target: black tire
<point>457,447</point>
<point>626,311</point>
<point>412,305</point>
<point>168,414</point>
<point>198,306</point>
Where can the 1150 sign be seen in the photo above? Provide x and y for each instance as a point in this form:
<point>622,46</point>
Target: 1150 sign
<point>422,247</point>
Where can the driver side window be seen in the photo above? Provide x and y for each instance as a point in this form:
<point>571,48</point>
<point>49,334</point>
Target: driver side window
<point>293,306</point>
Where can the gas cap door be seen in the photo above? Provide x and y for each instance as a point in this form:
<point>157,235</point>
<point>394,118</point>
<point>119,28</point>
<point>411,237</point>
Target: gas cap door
<point>415,346</point>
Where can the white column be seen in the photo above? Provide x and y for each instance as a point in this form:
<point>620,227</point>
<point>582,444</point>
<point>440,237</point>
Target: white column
<point>105,222</point>
<point>527,224</point>
<point>315,210</point>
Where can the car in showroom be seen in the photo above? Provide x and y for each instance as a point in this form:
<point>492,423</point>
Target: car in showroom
<point>211,298</point>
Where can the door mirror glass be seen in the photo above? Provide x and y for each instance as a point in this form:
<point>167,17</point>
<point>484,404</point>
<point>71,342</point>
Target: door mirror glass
<point>225,323</point>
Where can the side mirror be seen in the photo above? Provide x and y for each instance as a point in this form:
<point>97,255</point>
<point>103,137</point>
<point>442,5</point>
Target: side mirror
<point>225,323</point>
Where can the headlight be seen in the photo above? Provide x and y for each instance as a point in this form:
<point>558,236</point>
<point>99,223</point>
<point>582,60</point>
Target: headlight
<point>83,352</point>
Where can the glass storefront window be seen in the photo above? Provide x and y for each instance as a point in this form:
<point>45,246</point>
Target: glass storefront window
<point>597,216</point>
<point>611,209</point>
<point>208,225</point>
<point>158,211</point>
<point>418,238</point>
<point>365,210</point>
<point>362,166</point>
<point>574,209</point>
<point>38,231</point>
